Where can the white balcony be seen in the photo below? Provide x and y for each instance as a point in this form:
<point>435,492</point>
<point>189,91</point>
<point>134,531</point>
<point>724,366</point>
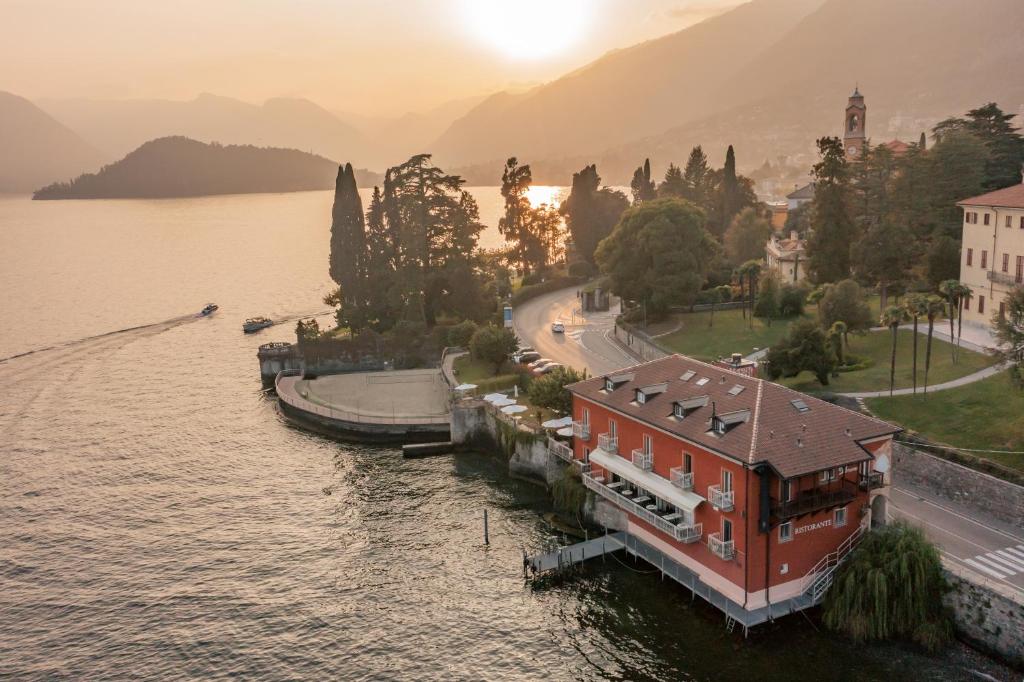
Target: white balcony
<point>681,479</point>
<point>608,443</point>
<point>1002,278</point>
<point>643,460</point>
<point>723,549</point>
<point>673,525</point>
<point>560,450</point>
<point>723,500</point>
<point>581,430</point>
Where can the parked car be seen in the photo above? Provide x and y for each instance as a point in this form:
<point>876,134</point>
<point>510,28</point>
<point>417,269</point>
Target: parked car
<point>547,369</point>
<point>557,327</point>
<point>538,362</point>
<point>528,356</point>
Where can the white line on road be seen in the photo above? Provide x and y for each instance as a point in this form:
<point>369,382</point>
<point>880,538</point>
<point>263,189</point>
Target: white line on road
<point>997,562</point>
<point>984,569</point>
<point>957,514</point>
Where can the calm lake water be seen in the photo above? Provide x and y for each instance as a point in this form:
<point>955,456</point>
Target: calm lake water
<point>159,520</point>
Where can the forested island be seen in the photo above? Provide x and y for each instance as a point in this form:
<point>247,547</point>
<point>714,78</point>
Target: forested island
<point>182,167</point>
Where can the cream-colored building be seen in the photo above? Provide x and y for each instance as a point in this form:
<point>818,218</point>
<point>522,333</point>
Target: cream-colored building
<point>787,258</point>
<point>992,254</point>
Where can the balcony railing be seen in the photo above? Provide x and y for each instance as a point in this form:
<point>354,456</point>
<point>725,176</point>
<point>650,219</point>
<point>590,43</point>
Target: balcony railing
<point>643,460</point>
<point>608,443</point>
<point>811,501</point>
<point>872,481</point>
<point>560,450</point>
<point>1002,278</point>
<point>680,531</point>
<point>721,499</point>
<point>723,549</point>
<point>681,479</point>
<point>581,430</point>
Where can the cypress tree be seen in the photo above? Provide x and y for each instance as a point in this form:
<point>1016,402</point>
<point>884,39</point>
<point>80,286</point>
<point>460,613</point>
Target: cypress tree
<point>730,189</point>
<point>348,245</point>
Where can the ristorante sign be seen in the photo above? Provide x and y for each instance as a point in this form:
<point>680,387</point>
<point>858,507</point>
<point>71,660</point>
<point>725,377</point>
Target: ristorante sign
<point>813,526</point>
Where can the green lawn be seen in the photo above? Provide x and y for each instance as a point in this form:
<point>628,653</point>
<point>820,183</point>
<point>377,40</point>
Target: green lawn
<point>877,347</point>
<point>729,334</point>
<point>987,414</point>
<point>471,371</point>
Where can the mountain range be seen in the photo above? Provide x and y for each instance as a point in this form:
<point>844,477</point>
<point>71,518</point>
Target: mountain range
<point>768,77</point>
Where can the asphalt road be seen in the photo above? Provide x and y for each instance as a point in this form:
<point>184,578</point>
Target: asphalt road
<point>964,537</point>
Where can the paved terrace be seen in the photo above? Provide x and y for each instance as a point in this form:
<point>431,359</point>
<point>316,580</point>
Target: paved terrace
<point>396,397</point>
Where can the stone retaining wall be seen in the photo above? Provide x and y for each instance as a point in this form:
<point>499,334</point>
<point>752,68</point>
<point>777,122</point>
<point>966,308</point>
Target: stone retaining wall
<point>987,615</point>
<point>993,497</point>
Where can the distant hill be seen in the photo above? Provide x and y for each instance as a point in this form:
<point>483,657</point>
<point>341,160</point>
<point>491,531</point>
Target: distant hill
<point>769,77</point>
<point>119,126</point>
<point>181,167</point>
<point>36,149</point>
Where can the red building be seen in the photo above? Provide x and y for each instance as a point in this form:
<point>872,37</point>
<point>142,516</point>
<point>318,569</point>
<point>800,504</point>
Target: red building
<point>757,491</point>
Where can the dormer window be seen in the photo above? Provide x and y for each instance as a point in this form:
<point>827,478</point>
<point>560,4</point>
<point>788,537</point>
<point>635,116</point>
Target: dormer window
<point>609,385</point>
<point>682,408</point>
<point>645,393</point>
<point>613,381</point>
<point>640,397</point>
<point>727,421</point>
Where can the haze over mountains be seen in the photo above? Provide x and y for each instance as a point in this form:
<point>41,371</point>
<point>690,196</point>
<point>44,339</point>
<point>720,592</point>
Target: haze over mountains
<point>769,77</point>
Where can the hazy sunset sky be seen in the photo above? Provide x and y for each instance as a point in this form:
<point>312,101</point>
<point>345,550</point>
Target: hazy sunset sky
<point>364,56</point>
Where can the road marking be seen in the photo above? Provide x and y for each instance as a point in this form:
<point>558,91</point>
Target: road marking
<point>984,569</point>
<point>997,561</point>
<point>1013,561</point>
<point>957,514</point>
<point>939,528</point>
<point>1018,550</point>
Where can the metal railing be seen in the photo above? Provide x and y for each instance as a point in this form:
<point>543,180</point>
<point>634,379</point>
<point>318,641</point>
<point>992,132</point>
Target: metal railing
<point>810,501</point>
<point>817,580</point>
<point>643,460</point>
<point>721,499</point>
<point>608,443</point>
<point>289,394</point>
<point>560,450</point>
<point>681,479</point>
<point>581,430</point>
<point>1002,278</point>
<point>872,481</point>
<point>723,549</point>
<point>682,532</point>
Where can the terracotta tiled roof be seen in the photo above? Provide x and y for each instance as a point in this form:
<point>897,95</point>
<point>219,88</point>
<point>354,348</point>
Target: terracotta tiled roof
<point>779,430</point>
<point>1008,197</point>
<point>805,192</point>
<point>897,147</point>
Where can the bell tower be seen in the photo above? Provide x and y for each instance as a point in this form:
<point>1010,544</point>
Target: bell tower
<point>854,136</point>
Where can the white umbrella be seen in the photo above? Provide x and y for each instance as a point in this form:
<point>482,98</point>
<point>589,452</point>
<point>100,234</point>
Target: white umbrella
<point>514,409</point>
<point>465,387</point>
<point>503,401</point>
<point>491,397</point>
<point>557,423</point>
<point>567,431</point>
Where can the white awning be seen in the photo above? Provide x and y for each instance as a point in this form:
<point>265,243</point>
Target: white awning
<point>649,481</point>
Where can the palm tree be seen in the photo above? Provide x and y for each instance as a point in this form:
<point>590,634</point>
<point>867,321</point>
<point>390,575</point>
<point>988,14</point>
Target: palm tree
<point>717,295</point>
<point>893,317</point>
<point>934,306</point>
<point>916,308</point>
<point>956,292</point>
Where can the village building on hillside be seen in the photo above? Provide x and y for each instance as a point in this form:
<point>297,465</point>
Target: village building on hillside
<point>786,257</point>
<point>992,251</point>
<point>753,491</point>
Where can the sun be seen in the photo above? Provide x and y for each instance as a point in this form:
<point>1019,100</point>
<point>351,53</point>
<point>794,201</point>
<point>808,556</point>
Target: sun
<point>527,29</point>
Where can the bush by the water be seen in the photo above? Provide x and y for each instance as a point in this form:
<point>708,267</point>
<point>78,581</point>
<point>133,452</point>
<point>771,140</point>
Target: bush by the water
<point>891,588</point>
<point>493,345</point>
<point>549,390</point>
<point>568,491</point>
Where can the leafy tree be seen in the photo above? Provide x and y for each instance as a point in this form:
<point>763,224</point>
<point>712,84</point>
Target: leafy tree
<point>642,186</point>
<point>791,299</point>
<point>942,260</point>
<point>674,185</point>
<point>493,345</point>
<point>749,272</point>
<point>1004,143</point>
<point>883,256</point>
<point>934,306</point>
<point>836,334</point>
<point>804,348</point>
<point>348,248</point>
<point>307,330</point>
<point>659,253</point>
<point>834,230</point>
<point>916,306</point>
<point>1010,333</point>
<point>893,317</point>
<point>715,296</point>
<point>767,305</point>
<point>461,334</point>
<point>799,220</point>
<point>549,390</point>
<point>591,212</point>
<point>746,237</point>
<point>873,174</point>
<point>845,302</point>
<point>956,292</point>
<point>891,587</point>
<point>382,260</point>
<point>514,226</point>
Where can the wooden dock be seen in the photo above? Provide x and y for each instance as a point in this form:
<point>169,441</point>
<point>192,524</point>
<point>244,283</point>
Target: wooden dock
<point>564,557</point>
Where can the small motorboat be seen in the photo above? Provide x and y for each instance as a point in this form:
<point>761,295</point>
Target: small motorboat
<point>254,324</point>
<point>208,310</point>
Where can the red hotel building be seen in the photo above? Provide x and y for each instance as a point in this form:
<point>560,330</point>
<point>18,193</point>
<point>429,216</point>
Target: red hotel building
<point>757,491</point>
